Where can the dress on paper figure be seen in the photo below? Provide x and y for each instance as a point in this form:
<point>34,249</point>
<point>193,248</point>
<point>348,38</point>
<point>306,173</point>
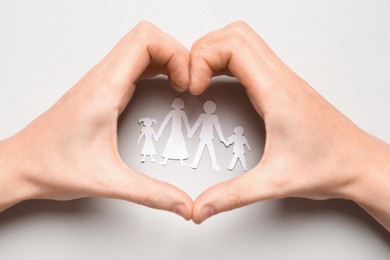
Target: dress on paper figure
<point>175,148</point>
<point>148,133</point>
<point>239,141</point>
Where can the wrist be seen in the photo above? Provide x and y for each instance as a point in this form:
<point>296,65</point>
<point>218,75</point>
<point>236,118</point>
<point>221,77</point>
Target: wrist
<point>14,187</point>
<point>370,188</point>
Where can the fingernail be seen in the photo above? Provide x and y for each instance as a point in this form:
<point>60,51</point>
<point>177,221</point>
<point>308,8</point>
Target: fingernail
<point>177,87</point>
<point>180,210</point>
<point>206,213</point>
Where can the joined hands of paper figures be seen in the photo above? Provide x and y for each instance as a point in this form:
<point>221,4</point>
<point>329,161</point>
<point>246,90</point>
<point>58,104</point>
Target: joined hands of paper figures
<point>176,149</point>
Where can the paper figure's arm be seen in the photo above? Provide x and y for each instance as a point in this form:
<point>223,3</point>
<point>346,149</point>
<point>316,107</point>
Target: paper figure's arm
<point>186,124</point>
<point>247,144</point>
<point>196,125</point>
<point>219,130</point>
<point>164,123</point>
<point>140,137</point>
<point>229,140</point>
<point>154,135</point>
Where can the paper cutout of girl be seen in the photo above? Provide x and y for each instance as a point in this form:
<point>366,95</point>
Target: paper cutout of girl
<point>148,132</point>
<point>175,148</point>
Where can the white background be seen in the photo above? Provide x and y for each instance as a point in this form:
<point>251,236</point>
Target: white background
<point>342,48</point>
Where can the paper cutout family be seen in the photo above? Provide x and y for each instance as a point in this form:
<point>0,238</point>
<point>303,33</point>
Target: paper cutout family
<point>176,148</point>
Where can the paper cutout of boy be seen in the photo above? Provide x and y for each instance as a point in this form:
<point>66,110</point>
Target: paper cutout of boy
<point>239,141</point>
<point>208,121</point>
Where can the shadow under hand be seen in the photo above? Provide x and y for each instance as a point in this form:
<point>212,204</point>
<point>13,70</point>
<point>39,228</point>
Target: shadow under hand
<point>304,208</point>
<point>39,208</point>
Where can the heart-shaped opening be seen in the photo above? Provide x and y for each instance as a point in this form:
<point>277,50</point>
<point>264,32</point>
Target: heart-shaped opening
<point>153,99</point>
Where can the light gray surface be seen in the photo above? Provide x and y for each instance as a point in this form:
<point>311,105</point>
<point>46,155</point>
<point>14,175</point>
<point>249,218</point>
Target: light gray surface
<point>342,48</point>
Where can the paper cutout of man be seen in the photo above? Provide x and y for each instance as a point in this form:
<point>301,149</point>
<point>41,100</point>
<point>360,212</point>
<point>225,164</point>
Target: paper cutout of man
<point>208,121</point>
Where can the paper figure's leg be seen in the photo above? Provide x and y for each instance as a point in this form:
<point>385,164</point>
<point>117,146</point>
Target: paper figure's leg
<point>233,162</point>
<point>198,154</point>
<point>182,163</point>
<point>143,159</point>
<point>165,161</point>
<point>213,158</point>
<point>243,162</point>
<point>151,158</point>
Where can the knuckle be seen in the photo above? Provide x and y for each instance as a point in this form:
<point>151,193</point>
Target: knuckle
<point>233,198</point>
<point>196,56</point>
<point>239,26</point>
<point>198,45</point>
<point>144,24</point>
<point>112,81</point>
<point>238,32</point>
<point>237,41</point>
<point>151,200</point>
<point>234,201</point>
<point>144,30</point>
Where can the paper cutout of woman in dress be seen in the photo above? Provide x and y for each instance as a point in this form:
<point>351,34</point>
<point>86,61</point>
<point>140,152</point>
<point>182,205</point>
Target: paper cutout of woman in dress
<point>239,141</point>
<point>148,133</point>
<point>175,148</point>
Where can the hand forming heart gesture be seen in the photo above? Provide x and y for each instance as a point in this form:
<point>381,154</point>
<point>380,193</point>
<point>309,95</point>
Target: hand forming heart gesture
<point>311,150</point>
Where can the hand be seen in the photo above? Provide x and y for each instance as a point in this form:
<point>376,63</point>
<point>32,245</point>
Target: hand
<point>311,149</point>
<point>71,150</point>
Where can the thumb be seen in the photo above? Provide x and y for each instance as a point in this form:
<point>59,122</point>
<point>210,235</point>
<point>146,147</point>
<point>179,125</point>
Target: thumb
<point>255,185</point>
<point>135,187</point>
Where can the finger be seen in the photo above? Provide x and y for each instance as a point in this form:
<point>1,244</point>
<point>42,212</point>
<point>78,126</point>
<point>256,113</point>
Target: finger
<point>146,44</point>
<point>245,53</point>
<point>224,56</point>
<point>156,69</point>
<point>144,51</point>
<point>124,183</point>
<point>255,185</point>
<point>237,31</point>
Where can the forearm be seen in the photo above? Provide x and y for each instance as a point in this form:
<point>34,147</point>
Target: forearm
<point>13,186</point>
<point>372,188</point>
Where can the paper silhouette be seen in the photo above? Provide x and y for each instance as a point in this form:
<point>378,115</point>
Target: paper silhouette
<point>175,148</point>
<point>239,141</point>
<point>147,132</point>
<point>208,122</point>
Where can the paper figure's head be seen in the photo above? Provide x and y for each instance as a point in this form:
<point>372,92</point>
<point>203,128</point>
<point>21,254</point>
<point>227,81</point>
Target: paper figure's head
<point>178,103</point>
<point>238,130</point>
<point>147,121</point>
<point>209,107</point>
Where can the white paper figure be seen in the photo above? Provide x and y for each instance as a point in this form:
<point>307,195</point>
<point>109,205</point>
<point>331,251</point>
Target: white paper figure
<point>208,122</point>
<point>176,147</point>
<point>239,141</point>
<point>147,132</point>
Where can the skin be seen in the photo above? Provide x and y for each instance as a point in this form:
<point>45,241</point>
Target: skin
<point>71,150</point>
<point>312,150</point>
